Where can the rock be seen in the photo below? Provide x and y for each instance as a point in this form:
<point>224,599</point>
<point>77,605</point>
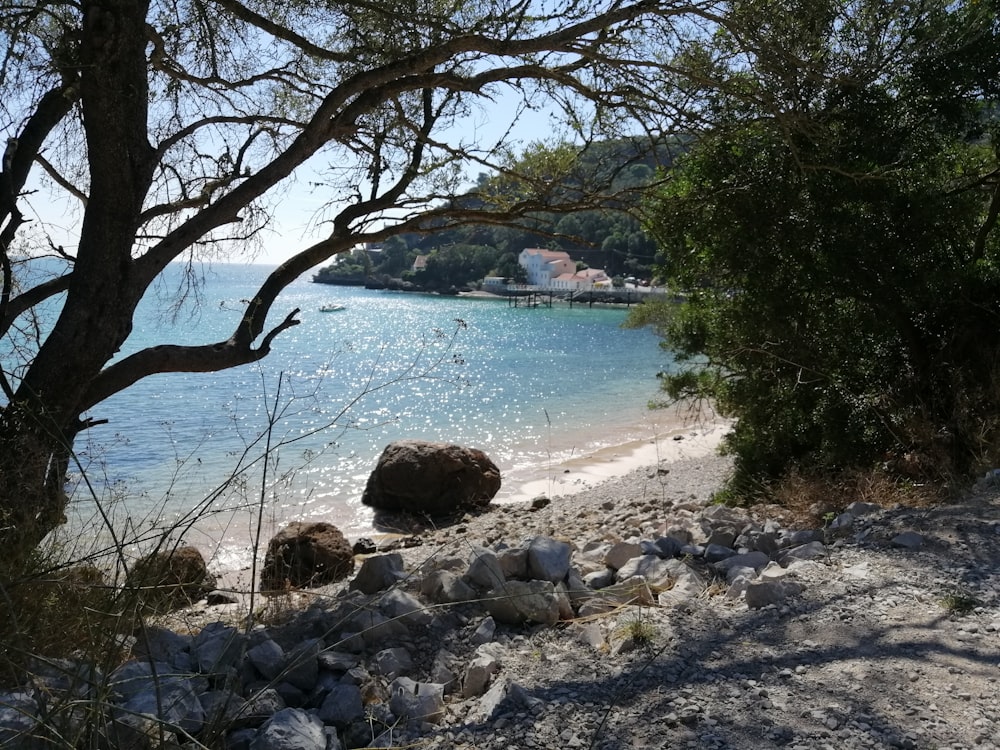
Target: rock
<point>399,605</point>
<point>664,546</point>
<point>378,573</point>
<point>478,674</point>
<point>171,578</point>
<point>810,551</point>
<point>219,596</point>
<point>157,690</point>
<point>755,561</point>
<point>392,662</point>
<point>716,552</point>
<point>268,658</point>
<point>485,571</point>
<point>155,643</point>
<point>762,593</point>
<point>303,664</point>
<point>599,579</point>
<point>657,571</point>
<point>907,540</point>
<point>218,648</point>
<point>423,701</point>
<point>306,555</point>
<point>861,509</point>
<point>18,717</point>
<point>342,705</point>
<point>517,602</point>
<point>621,553</point>
<point>434,479</point>
<point>364,546</point>
<point>548,559</point>
<point>444,587</point>
<point>514,562</point>
<point>291,729</point>
<point>259,707</point>
<point>485,632</point>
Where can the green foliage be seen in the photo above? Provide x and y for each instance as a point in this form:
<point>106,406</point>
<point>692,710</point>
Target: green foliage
<point>835,233</point>
<point>608,238</point>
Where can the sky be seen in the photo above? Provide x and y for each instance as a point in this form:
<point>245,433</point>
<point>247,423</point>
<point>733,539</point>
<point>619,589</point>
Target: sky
<point>296,221</point>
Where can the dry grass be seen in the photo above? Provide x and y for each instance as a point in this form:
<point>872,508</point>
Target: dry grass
<point>809,500</point>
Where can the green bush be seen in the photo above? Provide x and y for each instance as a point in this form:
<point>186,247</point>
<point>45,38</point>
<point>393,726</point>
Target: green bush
<point>835,235</point>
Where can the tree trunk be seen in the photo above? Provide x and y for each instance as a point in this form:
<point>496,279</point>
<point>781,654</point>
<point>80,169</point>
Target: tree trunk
<point>37,428</point>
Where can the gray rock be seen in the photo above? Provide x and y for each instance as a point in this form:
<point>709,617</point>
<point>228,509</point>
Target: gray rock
<point>291,729</point>
<point>860,509</point>
<point>810,551</point>
<point>514,562</point>
<point>268,658</point>
<point>444,587</point>
<point>724,537</point>
<point>485,632</point>
<point>621,553</point>
<point>548,559</point>
<point>376,628</point>
<point>303,664</point>
<point>399,605</point>
<point>485,571</point>
<point>258,707</point>
<point>156,689</point>
<point>443,670</point>
<point>599,579</point>
<point>762,593</point>
<point>154,643</point>
<point>423,701</point>
<point>337,661</point>
<point>218,648</point>
<point>518,602</point>
<point>716,553</point>
<point>657,571</point>
<point>342,705</point>
<point>803,536</point>
<point>379,573</point>
<point>907,540</point>
<point>755,561</point>
<point>392,662</point>
<point>663,546</point>
<point>478,674</point>
<point>18,712</point>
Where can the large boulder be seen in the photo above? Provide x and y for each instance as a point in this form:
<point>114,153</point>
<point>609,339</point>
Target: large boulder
<point>434,479</point>
<point>171,578</point>
<point>306,555</point>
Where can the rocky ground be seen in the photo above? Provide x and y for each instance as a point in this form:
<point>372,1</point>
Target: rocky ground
<point>881,629</point>
<point>886,645</point>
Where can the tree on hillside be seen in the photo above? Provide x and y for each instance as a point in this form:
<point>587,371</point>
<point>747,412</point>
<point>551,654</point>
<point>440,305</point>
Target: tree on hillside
<point>835,229</point>
<point>174,127</point>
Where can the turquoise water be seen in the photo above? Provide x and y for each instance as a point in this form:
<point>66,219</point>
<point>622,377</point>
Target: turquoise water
<point>530,387</point>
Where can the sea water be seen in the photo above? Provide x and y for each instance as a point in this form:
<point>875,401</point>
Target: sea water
<point>296,435</point>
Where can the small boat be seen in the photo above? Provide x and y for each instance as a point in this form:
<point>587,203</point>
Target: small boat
<point>332,308</point>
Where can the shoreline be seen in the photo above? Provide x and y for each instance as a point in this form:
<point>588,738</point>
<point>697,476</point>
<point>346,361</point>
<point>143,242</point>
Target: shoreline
<point>680,438</point>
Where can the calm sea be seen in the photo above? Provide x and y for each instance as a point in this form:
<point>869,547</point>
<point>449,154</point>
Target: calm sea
<point>296,435</point>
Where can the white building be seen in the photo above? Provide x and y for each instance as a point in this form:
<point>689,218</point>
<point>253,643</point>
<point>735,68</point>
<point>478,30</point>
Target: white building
<point>581,281</point>
<point>542,266</point>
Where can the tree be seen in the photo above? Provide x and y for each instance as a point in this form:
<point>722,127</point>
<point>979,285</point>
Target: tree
<point>835,230</point>
<point>175,127</point>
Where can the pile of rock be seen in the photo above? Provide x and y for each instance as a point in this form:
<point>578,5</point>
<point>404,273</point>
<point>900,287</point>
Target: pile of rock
<point>398,649</point>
